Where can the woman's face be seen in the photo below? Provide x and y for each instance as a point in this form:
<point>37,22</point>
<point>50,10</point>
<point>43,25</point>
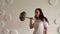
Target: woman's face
<point>37,13</point>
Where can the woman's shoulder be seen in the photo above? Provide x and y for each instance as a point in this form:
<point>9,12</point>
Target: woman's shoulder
<point>45,19</point>
<point>45,23</point>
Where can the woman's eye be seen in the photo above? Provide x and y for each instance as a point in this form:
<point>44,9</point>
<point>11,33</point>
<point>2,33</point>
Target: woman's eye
<point>36,12</point>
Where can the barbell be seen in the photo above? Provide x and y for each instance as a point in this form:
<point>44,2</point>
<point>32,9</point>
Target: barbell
<point>22,16</point>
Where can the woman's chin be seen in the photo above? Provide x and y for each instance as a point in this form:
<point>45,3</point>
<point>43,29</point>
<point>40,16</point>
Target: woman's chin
<point>37,16</point>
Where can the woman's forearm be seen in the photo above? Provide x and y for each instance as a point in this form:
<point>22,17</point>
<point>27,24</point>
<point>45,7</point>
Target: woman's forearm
<point>46,30</point>
<point>31,25</point>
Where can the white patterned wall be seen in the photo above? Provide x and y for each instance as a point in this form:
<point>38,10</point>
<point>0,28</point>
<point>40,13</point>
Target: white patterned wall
<point>10,10</point>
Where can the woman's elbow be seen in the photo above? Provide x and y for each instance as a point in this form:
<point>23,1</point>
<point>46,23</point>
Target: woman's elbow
<point>31,27</point>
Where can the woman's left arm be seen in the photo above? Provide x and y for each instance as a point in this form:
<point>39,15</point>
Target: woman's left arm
<point>46,27</point>
<point>46,30</point>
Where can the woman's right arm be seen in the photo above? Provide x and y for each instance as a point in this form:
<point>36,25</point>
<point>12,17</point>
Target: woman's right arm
<point>31,25</point>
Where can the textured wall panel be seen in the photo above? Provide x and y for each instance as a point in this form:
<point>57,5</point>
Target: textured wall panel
<point>2,24</point>
<point>9,1</point>
<point>52,2</point>
<point>2,3</point>
<point>58,30</point>
<point>8,17</point>
<point>5,31</point>
<point>13,32</point>
<point>2,12</point>
<point>57,21</point>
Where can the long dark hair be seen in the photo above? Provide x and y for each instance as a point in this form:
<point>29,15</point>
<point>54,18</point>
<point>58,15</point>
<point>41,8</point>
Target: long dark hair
<point>42,17</point>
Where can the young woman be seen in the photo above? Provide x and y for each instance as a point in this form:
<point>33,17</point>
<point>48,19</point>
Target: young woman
<point>41,23</point>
